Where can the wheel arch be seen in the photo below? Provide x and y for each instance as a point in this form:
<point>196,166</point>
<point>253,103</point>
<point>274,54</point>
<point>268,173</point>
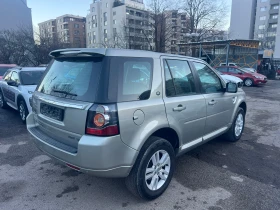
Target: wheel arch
<point>20,97</point>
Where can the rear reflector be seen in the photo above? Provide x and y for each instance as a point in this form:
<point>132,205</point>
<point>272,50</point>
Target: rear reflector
<point>73,167</point>
<point>108,131</point>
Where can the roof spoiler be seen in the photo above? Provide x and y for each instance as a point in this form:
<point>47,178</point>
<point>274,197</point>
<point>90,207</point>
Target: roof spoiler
<point>75,51</point>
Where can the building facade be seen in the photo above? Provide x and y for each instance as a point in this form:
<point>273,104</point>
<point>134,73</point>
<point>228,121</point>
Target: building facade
<point>257,19</point>
<point>15,14</point>
<point>119,24</point>
<point>69,29</point>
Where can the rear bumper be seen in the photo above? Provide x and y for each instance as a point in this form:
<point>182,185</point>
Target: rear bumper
<point>99,156</point>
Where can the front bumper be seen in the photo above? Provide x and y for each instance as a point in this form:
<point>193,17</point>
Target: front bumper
<point>99,156</point>
<point>260,81</point>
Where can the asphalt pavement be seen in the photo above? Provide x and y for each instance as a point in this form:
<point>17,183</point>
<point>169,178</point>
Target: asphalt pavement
<point>218,175</point>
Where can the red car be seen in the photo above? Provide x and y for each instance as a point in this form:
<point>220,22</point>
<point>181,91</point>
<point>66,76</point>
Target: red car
<point>4,68</point>
<point>249,78</point>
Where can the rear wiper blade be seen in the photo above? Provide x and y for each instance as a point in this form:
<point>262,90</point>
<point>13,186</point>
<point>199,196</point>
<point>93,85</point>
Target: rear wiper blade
<point>65,92</point>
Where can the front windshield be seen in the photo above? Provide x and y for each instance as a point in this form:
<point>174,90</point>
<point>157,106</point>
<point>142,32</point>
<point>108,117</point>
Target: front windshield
<point>31,77</point>
<point>3,70</point>
<point>245,70</point>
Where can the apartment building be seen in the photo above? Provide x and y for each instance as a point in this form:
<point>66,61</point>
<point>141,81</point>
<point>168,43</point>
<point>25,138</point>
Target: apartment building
<point>15,14</point>
<point>120,24</point>
<point>175,28</point>
<point>257,19</point>
<point>69,29</point>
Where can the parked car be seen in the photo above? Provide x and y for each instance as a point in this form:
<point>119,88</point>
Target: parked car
<point>17,87</point>
<point>4,68</point>
<point>129,113</point>
<point>278,73</point>
<point>229,64</point>
<point>230,78</point>
<point>249,78</point>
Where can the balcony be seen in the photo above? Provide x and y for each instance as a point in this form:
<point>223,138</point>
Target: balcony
<point>273,11</point>
<point>273,21</point>
<point>274,2</point>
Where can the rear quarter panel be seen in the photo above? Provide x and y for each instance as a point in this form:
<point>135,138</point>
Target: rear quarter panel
<point>154,114</point>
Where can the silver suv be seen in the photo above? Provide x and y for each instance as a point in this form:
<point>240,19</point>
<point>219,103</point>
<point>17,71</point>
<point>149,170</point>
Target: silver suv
<point>126,113</point>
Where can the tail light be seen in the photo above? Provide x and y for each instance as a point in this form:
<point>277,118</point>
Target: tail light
<point>102,120</point>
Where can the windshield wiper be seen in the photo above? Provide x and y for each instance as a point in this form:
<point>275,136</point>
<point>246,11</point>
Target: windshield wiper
<point>65,92</point>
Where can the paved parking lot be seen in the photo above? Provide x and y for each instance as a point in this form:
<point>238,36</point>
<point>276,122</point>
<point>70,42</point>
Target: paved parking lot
<point>217,175</point>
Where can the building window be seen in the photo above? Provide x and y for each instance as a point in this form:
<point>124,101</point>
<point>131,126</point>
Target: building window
<point>261,27</point>
<point>114,13</point>
<point>93,33</point>
<point>107,5</point>
<point>263,9</point>
<point>263,18</point>
<point>105,39</point>
<point>93,40</point>
<point>93,9</point>
<point>105,23</point>
<point>114,31</point>
<point>93,17</point>
<point>105,14</point>
<point>273,26</point>
<point>275,7</point>
<point>76,25</point>
<point>114,21</point>
<point>271,34</point>
<point>260,36</point>
<point>274,17</point>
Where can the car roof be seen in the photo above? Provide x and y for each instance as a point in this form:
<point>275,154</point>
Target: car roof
<point>115,52</point>
<point>237,67</point>
<point>20,69</point>
<point>8,65</point>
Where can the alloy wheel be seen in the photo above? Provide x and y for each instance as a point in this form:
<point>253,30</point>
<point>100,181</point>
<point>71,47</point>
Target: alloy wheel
<point>22,111</point>
<point>239,124</point>
<point>1,100</point>
<point>157,170</point>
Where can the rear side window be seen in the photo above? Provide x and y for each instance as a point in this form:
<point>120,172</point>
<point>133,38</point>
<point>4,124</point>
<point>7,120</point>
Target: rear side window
<point>74,78</point>
<point>134,78</point>
<point>222,69</point>
<point>181,78</point>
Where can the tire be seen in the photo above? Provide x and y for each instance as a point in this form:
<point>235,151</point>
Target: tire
<point>23,110</point>
<point>248,82</point>
<point>231,134</point>
<point>137,183</point>
<point>3,103</point>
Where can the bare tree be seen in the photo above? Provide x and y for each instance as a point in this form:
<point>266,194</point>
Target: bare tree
<point>161,24</point>
<point>25,48</point>
<point>204,16</point>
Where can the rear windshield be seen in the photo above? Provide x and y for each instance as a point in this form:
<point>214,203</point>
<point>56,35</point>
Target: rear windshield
<point>3,70</point>
<point>31,77</point>
<point>99,79</point>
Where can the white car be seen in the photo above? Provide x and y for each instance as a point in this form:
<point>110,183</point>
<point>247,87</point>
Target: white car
<point>229,78</point>
<point>17,86</point>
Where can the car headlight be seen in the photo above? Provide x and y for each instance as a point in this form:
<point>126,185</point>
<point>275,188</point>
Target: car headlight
<point>30,92</point>
<point>257,77</point>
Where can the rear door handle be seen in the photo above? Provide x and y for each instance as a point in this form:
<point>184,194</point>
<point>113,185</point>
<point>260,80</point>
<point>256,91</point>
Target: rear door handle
<point>179,108</point>
<point>213,102</point>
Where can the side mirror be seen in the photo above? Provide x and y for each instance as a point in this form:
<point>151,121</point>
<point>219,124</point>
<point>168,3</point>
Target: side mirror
<point>240,73</point>
<point>12,83</point>
<point>231,87</point>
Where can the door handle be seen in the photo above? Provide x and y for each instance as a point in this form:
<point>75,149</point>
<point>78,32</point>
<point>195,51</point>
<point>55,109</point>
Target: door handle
<point>179,108</point>
<point>213,102</point>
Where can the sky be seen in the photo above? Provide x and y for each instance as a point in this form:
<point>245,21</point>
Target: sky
<point>43,10</point>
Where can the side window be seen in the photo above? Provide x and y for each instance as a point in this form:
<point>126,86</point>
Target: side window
<point>222,69</point>
<point>232,70</point>
<point>7,76</point>
<point>210,82</point>
<point>136,77</point>
<point>169,85</point>
<point>180,77</point>
<point>15,77</point>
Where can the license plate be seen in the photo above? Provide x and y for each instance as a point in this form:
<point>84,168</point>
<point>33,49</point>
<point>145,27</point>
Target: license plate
<point>52,112</point>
